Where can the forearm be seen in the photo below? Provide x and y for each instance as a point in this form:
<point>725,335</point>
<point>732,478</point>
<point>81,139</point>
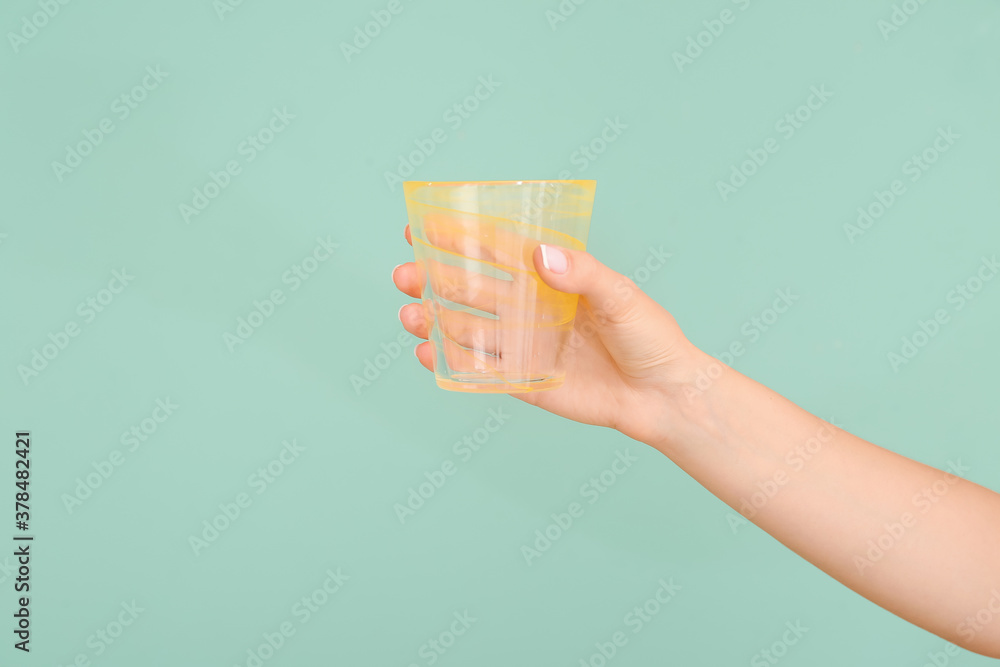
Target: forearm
<point>922,543</point>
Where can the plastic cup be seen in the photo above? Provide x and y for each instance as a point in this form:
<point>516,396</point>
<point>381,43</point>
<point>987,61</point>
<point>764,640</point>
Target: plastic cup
<point>495,325</point>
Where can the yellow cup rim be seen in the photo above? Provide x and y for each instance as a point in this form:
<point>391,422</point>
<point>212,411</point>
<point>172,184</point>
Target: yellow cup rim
<point>411,184</point>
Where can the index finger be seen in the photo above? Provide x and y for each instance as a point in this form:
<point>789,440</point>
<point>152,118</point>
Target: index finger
<point>506,244</point>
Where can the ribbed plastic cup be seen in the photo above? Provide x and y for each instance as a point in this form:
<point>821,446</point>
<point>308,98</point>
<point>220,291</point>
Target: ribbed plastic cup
<point>496,327</point>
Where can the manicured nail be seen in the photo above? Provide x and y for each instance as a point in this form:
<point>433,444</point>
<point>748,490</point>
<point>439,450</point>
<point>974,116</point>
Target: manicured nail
<point>394,273</point>
<point>399,313</point>
<point>554,259</point>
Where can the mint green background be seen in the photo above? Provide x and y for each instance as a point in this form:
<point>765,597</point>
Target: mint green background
<point>324,175</point>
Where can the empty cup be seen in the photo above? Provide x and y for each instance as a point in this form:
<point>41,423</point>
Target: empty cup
<point>495,325</point>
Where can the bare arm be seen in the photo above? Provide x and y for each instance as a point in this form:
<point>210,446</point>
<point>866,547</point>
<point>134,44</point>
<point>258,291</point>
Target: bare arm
<point>920,542</point>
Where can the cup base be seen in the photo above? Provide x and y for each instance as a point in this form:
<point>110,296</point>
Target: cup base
<point>475,384</point>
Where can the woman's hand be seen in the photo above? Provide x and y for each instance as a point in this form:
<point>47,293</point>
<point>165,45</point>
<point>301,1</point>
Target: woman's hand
<point>627,362</point>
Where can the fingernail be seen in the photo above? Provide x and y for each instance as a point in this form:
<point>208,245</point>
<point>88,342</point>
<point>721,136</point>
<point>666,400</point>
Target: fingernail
<point>399,313</point>
<point>394,273</point>
<point>554,259</point>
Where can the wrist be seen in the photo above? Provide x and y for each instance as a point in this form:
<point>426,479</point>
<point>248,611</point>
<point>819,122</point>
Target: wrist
<point>685,414</point>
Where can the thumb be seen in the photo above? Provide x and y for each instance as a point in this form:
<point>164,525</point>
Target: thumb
<point>612,297</point>
<point>637,331</point>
